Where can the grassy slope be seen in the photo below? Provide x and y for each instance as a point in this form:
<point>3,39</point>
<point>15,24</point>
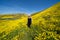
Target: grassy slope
<point>51,14</point>
<point>44,26</point>
<point>9,24</point>
<point>49,21</point>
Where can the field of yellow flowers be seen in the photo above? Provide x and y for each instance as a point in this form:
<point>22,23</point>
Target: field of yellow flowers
<point>45,25</point>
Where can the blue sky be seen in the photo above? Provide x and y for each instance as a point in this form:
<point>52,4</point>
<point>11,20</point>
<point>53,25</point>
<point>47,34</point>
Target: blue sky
<point>25,6</point>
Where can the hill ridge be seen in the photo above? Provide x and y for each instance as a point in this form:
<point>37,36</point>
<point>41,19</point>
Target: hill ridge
<point>57,4</point>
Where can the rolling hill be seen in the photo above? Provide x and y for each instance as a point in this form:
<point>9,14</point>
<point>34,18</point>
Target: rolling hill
<point>10,23</point>
<point>49,21</point>
<point>45,25</point>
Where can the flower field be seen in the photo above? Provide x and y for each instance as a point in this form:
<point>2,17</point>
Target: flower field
<point>45,26</point>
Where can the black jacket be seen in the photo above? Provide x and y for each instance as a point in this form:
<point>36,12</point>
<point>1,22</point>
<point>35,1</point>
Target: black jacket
<point>29,21</point>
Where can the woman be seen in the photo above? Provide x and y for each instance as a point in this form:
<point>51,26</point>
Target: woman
<point>29,21</point>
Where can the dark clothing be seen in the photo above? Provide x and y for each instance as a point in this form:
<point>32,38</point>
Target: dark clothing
<point>29,22</point>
